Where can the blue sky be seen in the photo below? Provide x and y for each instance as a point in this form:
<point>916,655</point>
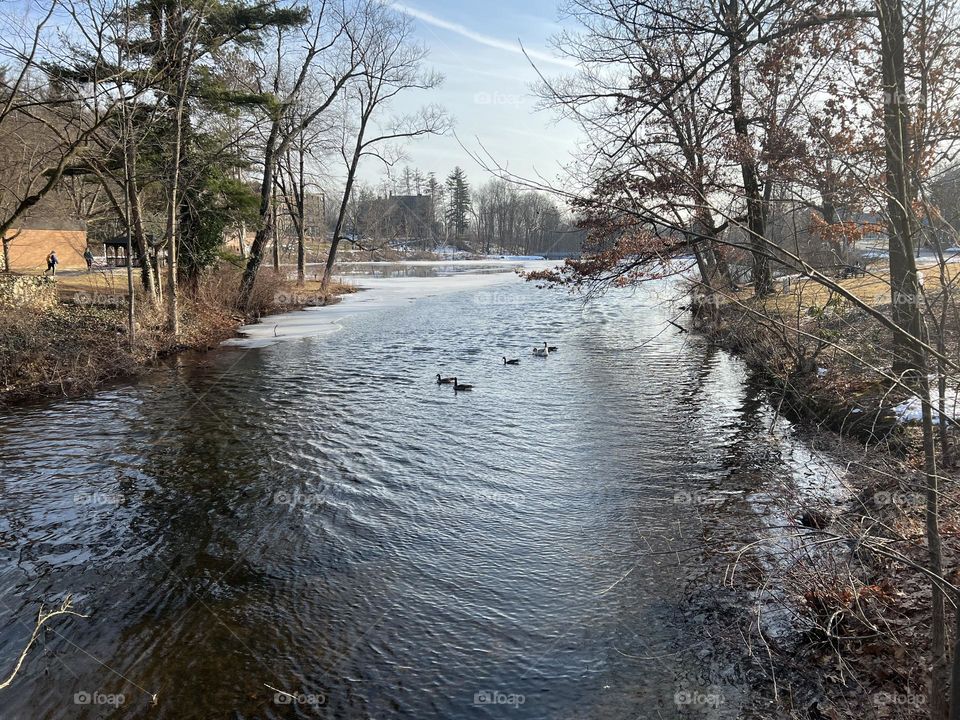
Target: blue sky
<point>475,44</point>
<point>487,86</point>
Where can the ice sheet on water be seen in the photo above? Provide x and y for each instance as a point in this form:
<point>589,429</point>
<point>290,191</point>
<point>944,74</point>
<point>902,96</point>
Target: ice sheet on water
<point>376,294</point>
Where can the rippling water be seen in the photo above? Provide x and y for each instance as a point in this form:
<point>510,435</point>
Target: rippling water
<point>319,517</point>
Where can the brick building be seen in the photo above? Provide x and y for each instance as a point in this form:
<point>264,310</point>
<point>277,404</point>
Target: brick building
<point>50,226</point>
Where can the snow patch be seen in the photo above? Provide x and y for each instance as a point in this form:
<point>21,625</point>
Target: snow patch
<point>377,294</point>
<point>911,409</point>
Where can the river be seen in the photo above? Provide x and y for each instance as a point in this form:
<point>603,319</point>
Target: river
<point>304,524</point>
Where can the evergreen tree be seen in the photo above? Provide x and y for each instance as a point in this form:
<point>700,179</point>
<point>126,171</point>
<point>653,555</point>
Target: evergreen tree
<point>458,199</point>
<point>176,51</point>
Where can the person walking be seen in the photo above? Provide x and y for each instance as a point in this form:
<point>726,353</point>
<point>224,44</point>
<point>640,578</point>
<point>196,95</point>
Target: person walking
<point>52,263</point>
<point>88,256</point>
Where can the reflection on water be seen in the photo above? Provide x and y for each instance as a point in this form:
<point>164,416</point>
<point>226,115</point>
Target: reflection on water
<point>321,518</point>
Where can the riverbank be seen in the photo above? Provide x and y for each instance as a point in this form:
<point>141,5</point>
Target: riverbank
<point>72,337</point>
<point>825,357</point>
<point>847,576</point>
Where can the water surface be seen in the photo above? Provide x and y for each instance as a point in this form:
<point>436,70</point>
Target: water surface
<point>319,517</point>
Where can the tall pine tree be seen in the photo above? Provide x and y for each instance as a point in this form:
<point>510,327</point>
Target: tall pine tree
<point>458,202</point>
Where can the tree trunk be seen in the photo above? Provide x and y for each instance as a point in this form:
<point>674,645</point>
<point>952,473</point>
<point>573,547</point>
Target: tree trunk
<point>756,221</point>
<point>131,295</point>
<point>940,672</point>
<point>265,231</point>
<point>909,356</point>
<point>135,223</point>
<point>344,201</point>
<point>295,205</point>
<point>704,266</point>
<point>300,221</point>
<point>173,210</point>
<point>276,231</point>
<point>338,228</point>
<point>904,286</point>
<point>955,675</point>
<point>173,313</point>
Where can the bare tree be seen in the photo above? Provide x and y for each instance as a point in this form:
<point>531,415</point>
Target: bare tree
<point>391,64</point>
<point>328,56</point>
<point>47,113</point>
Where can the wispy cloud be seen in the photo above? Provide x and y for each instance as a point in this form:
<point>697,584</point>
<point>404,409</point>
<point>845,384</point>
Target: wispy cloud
<point>487,40</point>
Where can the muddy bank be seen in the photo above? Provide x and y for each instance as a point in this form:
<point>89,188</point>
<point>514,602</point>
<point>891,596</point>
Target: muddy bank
<point>823,386</point>
<point>820,606</point>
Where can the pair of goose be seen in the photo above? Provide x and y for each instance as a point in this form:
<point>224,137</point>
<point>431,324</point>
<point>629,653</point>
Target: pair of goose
<point>457,386</point>
<point>537,352</point>
<point>545,350</point>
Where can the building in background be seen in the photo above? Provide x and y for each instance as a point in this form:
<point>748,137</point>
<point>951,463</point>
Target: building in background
<point>402,220</point>
<point>51,225</point>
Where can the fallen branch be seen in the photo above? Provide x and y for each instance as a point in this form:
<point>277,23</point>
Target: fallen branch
<point>41,619</point>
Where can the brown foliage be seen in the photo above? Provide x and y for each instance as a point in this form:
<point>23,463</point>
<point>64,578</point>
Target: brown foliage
<point>844,233</point>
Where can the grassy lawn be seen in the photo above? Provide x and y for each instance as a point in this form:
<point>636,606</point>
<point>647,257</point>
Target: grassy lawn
<point>110,288</point>
<point>874,288</point>
<point>95,285</point>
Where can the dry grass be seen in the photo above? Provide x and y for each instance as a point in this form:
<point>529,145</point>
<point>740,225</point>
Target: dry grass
<point>873,289</point>
<point>61,351</point>
<point>93,284</point>
<point>83,343</point>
